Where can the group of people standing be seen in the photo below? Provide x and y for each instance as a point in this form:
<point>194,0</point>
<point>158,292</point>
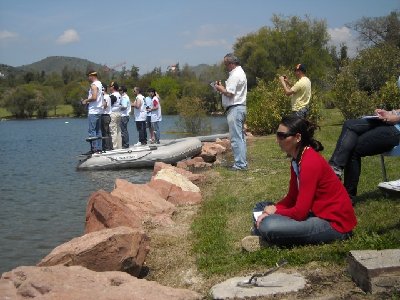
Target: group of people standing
<point>109,110</point>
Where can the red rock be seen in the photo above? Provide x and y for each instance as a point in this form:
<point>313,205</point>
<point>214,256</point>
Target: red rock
<point>107,211</point>
<point>144,202</point>
<point>224,142</point>
<point>175,188</point>
<point>116,249</point>
<point>76,282</point>
<point>195,178</point>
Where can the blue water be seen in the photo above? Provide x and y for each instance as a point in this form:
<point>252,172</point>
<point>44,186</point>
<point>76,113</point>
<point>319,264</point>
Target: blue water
<point>42,196</point>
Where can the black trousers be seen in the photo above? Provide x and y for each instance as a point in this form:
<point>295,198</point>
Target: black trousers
<point>141,128</point>
<point>105,132</point>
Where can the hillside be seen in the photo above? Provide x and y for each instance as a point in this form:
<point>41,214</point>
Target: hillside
<point>58,63</point>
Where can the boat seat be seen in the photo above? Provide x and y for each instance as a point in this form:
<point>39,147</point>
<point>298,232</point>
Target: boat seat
<point>394,152</point>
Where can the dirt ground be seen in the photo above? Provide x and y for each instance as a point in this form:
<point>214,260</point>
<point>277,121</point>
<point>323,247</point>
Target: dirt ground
<point>171,263</point>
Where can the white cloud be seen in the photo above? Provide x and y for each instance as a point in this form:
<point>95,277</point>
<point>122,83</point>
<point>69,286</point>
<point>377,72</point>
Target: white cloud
<point>5,34</point>
<point>344,35</point>
<point>206,43</point>
<point>69,36</point>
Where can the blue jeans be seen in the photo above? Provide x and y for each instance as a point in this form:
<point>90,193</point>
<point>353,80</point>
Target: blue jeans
<point>95,130</point>
<point>236,117</point>
<point>284,231</point>
<point>124,131</point>
<point>156,128</point>
<point>359,138</point>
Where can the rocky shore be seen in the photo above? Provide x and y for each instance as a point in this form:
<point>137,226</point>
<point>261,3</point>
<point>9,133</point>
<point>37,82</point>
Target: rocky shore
<point>107,261</point>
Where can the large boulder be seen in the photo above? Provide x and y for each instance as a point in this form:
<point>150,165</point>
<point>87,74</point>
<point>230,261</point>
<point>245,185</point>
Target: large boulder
<point>144,203</point>
<point>76,282</point>
<point>107,211</point>
<point>175,187</point>
<point>195,163</point>
<point>195,178</point>
<point>116,249</point>
<point>210,151</point>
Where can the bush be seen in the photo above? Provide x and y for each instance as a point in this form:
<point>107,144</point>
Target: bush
<point>389,95</point>
<point>347,97</point>
<point>267,104</point>
<point>192,115</point>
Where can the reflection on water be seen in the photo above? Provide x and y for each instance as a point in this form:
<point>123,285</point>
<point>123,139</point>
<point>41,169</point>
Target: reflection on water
<point>42,196</point>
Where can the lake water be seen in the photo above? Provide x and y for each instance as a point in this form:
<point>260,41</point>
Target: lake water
<point>42,196</point>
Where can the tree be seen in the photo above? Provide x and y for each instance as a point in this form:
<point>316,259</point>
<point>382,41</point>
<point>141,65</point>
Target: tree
<point>290,41</point>
<point>378,30</point>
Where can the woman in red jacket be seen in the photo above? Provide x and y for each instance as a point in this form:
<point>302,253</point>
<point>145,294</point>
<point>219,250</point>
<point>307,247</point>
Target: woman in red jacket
<point>317,208</point>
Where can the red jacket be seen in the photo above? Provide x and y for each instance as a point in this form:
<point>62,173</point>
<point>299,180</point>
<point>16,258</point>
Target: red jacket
<point>320,192</point>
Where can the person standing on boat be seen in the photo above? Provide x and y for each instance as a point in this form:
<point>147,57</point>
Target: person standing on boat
<point>125,112</point>
<point>115,124</point>
<point>234,101</point>
<point>140,112</point>
<point>156,116</point>
<point>149,104</point>
<point>95,109</point>
<point>105,121</point>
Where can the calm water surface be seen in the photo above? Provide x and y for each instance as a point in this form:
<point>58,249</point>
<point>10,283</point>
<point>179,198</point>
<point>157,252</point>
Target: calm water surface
<point>42,196</point>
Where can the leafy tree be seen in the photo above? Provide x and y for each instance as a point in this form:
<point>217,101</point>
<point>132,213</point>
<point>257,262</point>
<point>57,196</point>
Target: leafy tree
<point>290,41</point>
<point>192,115</point>
<point>21,102</point>
<point>378,30</point>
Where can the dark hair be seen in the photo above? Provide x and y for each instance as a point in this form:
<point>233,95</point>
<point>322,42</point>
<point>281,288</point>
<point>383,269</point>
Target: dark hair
<point>113,99</point>
<point>123,88</point>
<point>306,128</point>
<point>151,90</point>
<point>138,89</point>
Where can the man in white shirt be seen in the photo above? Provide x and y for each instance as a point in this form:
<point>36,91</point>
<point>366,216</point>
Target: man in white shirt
<point>125,112</point>
<point>234,96</point>
<point>115,124</point>
<point>95,109</point>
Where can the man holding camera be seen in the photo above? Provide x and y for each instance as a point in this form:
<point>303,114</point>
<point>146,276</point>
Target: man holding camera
<point>234,101</point>
<point>300,92</point>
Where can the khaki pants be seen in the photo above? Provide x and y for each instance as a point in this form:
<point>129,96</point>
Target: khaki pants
<point>115,129</point>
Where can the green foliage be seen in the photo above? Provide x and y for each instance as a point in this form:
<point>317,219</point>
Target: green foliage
<point>290,41</point>
<point>267,104</point>
<point>192,115</point>
<point>389,95</point>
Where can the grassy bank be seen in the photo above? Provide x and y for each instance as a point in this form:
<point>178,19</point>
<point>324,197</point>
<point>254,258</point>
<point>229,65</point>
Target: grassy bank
<point>63,110</point>
<point>225,216</point>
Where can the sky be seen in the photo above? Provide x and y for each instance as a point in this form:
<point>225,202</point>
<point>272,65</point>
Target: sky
<point>159,33</point>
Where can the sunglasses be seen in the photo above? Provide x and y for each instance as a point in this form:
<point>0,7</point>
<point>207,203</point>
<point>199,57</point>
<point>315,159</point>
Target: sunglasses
<point>283,135</point>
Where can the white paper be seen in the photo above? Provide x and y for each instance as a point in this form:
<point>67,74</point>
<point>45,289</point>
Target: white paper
<point>256,214</point>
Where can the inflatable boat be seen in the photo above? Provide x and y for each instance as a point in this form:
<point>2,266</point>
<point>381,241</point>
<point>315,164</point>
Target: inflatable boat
<point>168,151</point>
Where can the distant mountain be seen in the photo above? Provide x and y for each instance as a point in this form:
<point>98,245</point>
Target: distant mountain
<point>200,69</point>
<point>58,63</point>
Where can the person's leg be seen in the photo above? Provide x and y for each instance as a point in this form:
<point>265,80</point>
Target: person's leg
<point>284,231</point>
<point>348,140</point>
<point>93,130</point>
<point>124,132</point>
<point>114,130</point>
<point>105,125</point>
<point>236,118</point>
<point>156,127</point>
<point>302,113</point>
<point>375,141</point>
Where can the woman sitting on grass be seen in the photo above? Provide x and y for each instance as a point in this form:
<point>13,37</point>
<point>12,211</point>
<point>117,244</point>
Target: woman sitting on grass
<point>317,208</point>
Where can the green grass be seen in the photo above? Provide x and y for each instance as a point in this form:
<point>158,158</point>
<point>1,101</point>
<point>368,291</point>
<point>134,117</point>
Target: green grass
<point>225,216</point>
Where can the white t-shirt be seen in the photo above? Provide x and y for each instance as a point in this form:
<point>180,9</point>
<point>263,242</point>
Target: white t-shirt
<point>140,113</point>
<point>125,102</point>
<point>117,105</point>
<point>236,85</point>
<point>96,107</point>
<point>107,100</point>
<point>156,114</point>
<point>149,103</point>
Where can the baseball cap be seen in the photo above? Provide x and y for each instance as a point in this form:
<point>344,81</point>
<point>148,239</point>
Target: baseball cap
<point>300,67</point>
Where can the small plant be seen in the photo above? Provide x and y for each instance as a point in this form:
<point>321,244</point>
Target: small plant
<point>192,115</point>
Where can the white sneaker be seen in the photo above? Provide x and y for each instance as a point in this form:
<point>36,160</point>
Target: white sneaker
<point>391,185</point>
<point>138,144</point>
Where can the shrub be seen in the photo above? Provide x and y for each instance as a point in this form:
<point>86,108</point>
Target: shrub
<point>267,103</point>
<point>192,115</point>
<point>389,95</point>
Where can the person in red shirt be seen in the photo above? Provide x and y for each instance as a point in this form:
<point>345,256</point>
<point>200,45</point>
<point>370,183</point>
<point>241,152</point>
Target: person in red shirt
<point>316,209</point>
